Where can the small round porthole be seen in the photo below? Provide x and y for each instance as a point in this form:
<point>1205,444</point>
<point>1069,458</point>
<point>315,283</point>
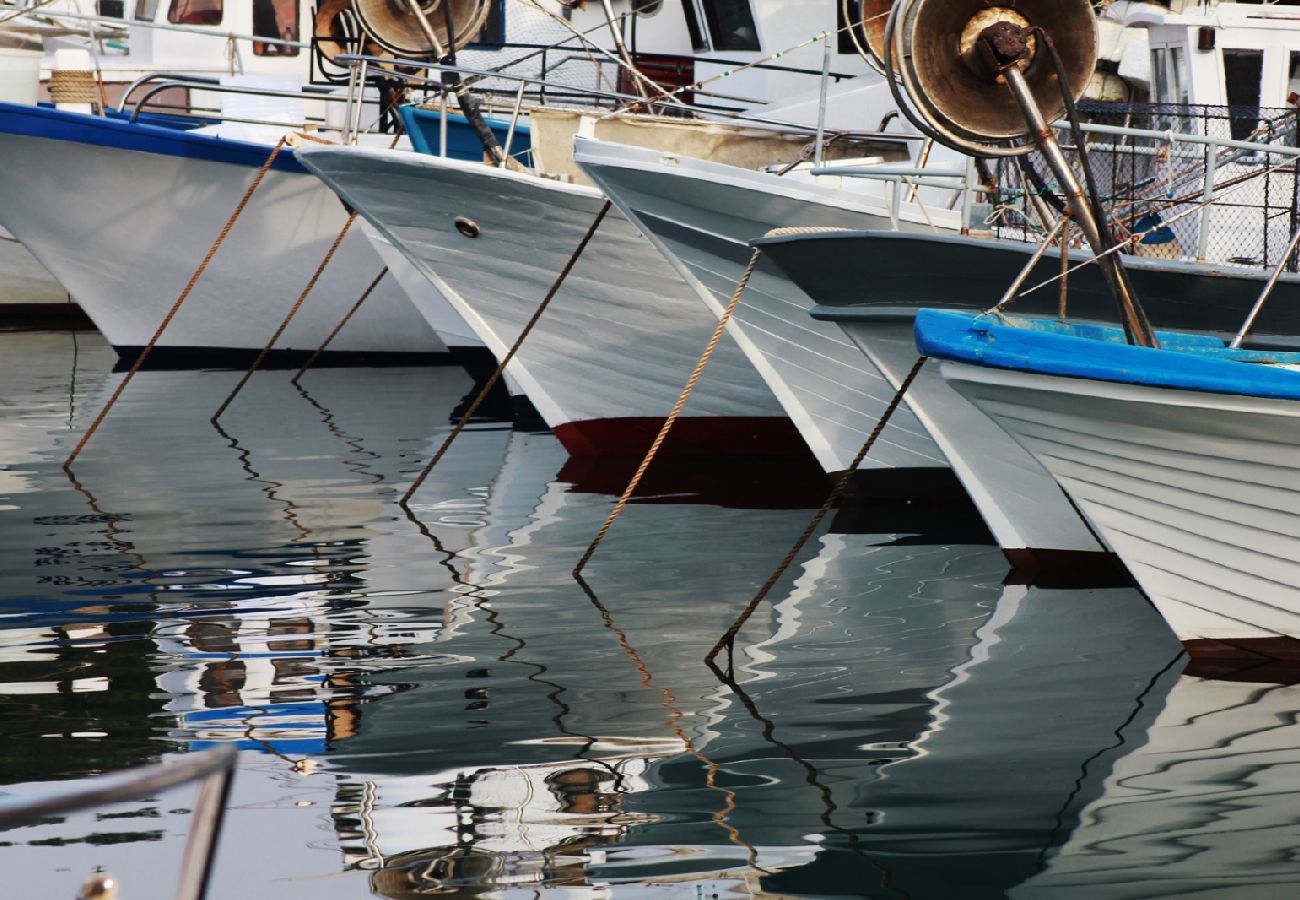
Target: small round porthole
<point>467,227</point>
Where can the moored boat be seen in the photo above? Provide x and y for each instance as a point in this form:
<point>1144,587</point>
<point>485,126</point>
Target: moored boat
<point>123,213</point>
<point>1182,458</point>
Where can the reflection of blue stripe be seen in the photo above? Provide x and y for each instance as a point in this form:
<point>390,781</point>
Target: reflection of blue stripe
<point>249,715</point>
<point>300,745</point>
<point>58,125</point>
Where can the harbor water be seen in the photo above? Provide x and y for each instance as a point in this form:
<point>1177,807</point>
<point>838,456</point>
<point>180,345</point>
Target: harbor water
<point>432,704</point>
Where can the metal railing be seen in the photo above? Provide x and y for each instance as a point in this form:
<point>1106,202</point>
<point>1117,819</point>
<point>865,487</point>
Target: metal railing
<point>559,89</point>
<point>213,769</point>
<point>1224,178</point>
<point>1227,200</point>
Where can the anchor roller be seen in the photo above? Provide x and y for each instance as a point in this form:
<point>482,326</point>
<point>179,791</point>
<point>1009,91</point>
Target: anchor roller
<point>397,27</point>
<point>940,50</point>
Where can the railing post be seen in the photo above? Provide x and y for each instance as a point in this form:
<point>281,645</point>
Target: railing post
<point>442,127</point>
<point>1207,196</point>
<point>361,99</point>
<point>821,103</point>
<point>346,136</point>
<point>968,196</point>
<point>514,120</point>
<point>201,847</point>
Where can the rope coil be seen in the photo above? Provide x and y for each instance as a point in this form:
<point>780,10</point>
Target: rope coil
<point>73,86</point>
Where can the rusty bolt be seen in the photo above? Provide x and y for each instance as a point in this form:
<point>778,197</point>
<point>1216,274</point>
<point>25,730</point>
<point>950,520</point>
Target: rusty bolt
<point>1002,45</point>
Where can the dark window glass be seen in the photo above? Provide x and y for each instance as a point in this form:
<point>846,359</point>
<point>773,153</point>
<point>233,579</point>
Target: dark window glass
<point>731,24</point>
<point>195,12</point>
<point>844,38</point>
<point>145,10</point>
<point>493,32</point>
<point>1242,70</point>
<point>275,19</point>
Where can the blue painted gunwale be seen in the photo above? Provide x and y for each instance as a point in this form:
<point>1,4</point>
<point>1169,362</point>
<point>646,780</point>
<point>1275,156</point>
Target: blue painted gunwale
<point>1186,362</point>
<point>98,131</point>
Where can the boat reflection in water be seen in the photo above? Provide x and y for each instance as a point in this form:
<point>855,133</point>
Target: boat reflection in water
<point>1204,801</point>
<point>437,706</point>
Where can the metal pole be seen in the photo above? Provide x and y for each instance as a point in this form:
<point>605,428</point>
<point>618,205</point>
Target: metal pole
<point>922,158</point>
<point>622,48</point>
<point>1029,267</point>
<point>442,127</point>
<point>821,103</point>
<point>201,847</point>
<point>968,196</point>
<point>1131,312</point>
<point>1268,289</point>
<point>1211,167</point>
<point>514,120</point>
<point>346,136</point>
<point>361,100</point>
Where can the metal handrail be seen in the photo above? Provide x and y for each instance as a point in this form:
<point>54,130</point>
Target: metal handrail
<point>214,769</point>
<point>154,76</point>
<point>308,92</point>
<point>355,59</point>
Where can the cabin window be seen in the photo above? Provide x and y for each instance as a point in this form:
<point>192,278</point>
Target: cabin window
<point>693,25</point>
<point>146,10</point>
<point>1293,79</point>
<point>1160,75</point>
<point>1242,70</point>
<point>275,19</point>
<point>493,32</point>
<point>195,12</point>
<point>1177,76</point>
<point>731,24</point>
<point>1168,77</point>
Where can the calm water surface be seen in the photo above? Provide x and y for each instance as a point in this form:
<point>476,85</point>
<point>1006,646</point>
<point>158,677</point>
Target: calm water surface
<point>437,707</point>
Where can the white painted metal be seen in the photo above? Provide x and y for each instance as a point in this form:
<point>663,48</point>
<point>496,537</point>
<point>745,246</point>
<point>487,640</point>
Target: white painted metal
<point>1020,502</point>
<point>701,216</point>
<point>123,231</point>
<point>622,334</point>
<point>1197,493</point>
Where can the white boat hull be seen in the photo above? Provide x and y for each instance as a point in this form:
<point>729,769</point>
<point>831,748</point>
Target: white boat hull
<point>607,361</point>
<point>124,231</point>
<point>1029,515</point>
<point>701,216</point>
<point>1196,492</point>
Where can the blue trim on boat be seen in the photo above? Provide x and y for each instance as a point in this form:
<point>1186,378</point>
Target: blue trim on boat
<point>1187,362</point>
<point>424,128</point>
<point>114,132</point>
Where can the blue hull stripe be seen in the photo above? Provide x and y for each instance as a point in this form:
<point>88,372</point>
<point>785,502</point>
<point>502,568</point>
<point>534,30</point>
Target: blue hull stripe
<point>58,125</point>
<point>1184,361</point>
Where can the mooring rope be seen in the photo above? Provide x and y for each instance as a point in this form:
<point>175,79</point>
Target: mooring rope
<point>293,311</point>
<point>676,411</point>
<point>171,314</point>
<point>510,354</point>
<point>729,637</point>
<point>673,723</point>
<point>347,317</point>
